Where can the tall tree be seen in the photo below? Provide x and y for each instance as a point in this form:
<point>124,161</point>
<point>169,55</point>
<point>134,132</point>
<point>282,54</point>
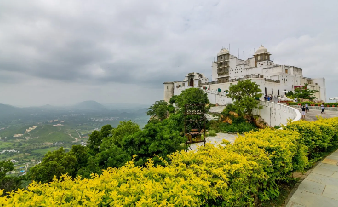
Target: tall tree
<point>244,96</point>
<point>191,96</point>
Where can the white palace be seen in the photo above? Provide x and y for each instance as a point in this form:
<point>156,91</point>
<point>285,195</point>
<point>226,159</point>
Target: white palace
<point>274,80</point>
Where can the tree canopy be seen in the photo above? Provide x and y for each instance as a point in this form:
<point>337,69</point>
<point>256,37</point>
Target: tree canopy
<point>244,96</point>
<point>156,139</point>
<point>191,96</point>
<point>53,164</point>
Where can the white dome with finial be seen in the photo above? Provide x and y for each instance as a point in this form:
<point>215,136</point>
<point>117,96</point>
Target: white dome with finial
<point>222,52</point>
<point>260,50</point>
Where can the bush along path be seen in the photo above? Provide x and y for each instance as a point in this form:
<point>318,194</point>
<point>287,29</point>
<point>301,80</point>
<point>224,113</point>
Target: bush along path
<point>245,173</point>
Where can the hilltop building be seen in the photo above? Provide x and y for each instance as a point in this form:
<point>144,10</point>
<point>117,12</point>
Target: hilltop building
<point>274,80</point>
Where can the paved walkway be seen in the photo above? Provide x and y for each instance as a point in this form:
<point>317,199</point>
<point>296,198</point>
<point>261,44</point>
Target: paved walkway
<point>215,140</point>
<point>311,115</point>
<point>320,187</point>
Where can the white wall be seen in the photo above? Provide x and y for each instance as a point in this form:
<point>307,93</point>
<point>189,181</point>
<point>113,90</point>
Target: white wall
<point>214,74</point>
<point>275,114</point>
<point>168,90</point>
<point>218,97</point>
<point>322,90</point>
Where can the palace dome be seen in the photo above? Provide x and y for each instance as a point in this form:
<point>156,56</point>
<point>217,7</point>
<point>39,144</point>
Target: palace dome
<point>261,49</point>
<point>222,52</point>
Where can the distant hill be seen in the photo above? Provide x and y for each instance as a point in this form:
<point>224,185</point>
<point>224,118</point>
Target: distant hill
<point>89,105</point>
<point>9,111</point>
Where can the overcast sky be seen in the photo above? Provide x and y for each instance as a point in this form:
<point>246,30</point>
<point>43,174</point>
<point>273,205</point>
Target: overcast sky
<point>64,52</point>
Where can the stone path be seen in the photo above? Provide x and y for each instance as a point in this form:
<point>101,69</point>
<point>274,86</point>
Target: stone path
<point>320,187</point>
<point>215,140</point>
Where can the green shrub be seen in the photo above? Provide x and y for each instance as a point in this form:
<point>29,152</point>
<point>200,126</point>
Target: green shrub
<point>212,133</point>
<point>237,127</point>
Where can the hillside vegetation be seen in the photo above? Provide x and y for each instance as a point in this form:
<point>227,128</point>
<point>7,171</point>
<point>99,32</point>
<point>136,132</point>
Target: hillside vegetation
<point>240,174</point>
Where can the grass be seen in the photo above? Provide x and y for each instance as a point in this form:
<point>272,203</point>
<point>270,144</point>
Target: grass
<point>15,129</point>
<point>51,134</point>
<point>44,151</point>
<point>6,145</point>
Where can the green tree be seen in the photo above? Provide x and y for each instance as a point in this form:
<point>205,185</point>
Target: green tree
<point>191,96</point>
<point>94,141</point>
<point>82,155</point>
<point>125,128</point>
<point>5,166</point>
<point>96,137</point>
<point>8,183</point>
<point>53,164</point>
<point>113,156</point>
<point>244,96</point>
<point>106,131</point>
<point>302,92</point>
<point>158,109</point>
<point>157,138</point>
<point>188,96</point>
<point>173,99</point>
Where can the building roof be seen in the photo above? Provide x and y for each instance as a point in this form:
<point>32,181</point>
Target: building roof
<point>222,52</point>
<point>260,50</point>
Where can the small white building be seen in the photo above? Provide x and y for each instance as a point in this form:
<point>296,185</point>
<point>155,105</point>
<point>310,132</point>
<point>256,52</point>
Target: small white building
<point>190,81</point>
<point>272,78</point>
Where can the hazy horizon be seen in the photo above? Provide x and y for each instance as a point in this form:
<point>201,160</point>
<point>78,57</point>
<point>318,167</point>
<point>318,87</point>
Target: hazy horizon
<point>72,104</point>
<point>63,53</point>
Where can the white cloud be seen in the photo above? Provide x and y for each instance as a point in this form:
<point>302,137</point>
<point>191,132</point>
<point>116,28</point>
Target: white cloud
<point>85,50</point>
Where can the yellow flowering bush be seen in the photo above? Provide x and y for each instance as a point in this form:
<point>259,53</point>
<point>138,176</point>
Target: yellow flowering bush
<point>317,136</point>
<point>278,152</point>
<point>232,175</point>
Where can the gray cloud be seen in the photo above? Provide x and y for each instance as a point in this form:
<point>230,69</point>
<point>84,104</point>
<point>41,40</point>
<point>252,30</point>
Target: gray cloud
<point>80,48</point>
